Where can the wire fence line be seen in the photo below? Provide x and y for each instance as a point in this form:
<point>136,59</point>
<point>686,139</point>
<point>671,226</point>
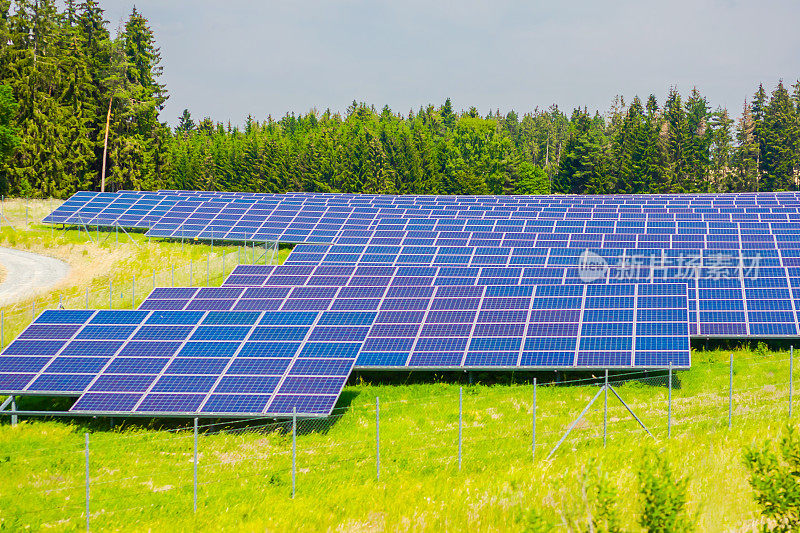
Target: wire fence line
<point>460,429</point>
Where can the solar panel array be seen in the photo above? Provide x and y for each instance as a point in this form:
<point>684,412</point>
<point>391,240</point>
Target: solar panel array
<point>166,362</point>
<point>460,326</point>
<point>435,282</point>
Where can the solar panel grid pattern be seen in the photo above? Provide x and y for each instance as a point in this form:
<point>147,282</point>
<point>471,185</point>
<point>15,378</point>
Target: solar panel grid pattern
<point>447,279</point>
<point>738,294</point>
<point>402,322</point>
<point>327,218</point>
<point>155,362</point>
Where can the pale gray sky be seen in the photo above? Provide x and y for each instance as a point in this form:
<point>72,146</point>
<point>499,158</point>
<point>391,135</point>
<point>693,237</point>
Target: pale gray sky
<point>225,59</point>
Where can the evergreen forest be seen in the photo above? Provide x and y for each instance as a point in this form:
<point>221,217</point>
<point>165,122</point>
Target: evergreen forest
<point>81,109</point>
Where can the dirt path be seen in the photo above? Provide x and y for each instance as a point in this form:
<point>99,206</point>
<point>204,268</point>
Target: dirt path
<point>27,274</point>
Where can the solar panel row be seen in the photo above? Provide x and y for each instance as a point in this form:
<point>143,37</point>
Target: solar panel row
<point>468,326</point>
<point>165,362</point>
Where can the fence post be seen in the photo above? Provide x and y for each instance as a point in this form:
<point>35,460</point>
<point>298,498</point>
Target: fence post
<point>86,439</point>
<point>460,421</point>
<point>791,378</point>
<point>110,295</point>
<point>533,423</point>
<point>294,447</point>
<point>730,396</point>
<point>605,409</point>
<point>195,465</point>
<point>669,403</point>
<point>377,438</point>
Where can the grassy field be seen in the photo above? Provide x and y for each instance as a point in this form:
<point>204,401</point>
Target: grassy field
<point>141,471</point>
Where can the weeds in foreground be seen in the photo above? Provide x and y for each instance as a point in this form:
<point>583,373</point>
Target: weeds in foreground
<point>775,479</point>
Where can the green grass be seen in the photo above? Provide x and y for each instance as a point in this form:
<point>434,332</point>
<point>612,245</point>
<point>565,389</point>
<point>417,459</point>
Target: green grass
<point>142,472</point>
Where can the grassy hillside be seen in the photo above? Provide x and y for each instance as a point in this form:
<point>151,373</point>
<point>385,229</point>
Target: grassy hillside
<point>142,472</point>
<point>126,264</point>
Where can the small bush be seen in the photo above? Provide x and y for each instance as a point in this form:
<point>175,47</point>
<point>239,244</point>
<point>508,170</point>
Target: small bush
<point>775,479</point>
<point>664,497</point>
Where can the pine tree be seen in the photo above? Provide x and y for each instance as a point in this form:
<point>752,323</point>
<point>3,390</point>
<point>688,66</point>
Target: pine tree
<point>746,154</point>
<point>721,149</point>
<point>780,142</point>
<point>185,123</point>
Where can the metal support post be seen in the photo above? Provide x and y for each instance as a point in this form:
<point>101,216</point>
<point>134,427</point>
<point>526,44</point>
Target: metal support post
<point>2,329</point>
<point>625,405</point>
<point>223,265</point>
<point>60,304</point>
<point>14,418</point>
<point>173,274</point>
<point>294,448</point>
<point>377,438</point>
<point>195,465</point>
<point>460,421</point>
<point>116,235</point>
<point>208,270</point>
<point>110,295</point>
<point>533,423</point>
<point>154,279</point>
<point>191,267</point>
<point>33,310</point>
<point>86,439</point>
<point>87,297</point>
<point>575,423</point>
<point>730,396</point>
<point>791,378</point>
<point>605,409</point>
<point>669,402</point>
<point>133,292</point>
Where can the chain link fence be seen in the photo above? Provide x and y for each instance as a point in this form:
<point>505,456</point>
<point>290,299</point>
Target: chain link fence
<point>456,428</point>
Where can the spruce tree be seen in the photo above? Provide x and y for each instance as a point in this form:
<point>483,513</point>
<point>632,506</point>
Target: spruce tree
<point>746,155</point>
<point>780,142</point>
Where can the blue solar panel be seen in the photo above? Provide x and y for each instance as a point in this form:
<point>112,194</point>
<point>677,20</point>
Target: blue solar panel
<point>458,307</point>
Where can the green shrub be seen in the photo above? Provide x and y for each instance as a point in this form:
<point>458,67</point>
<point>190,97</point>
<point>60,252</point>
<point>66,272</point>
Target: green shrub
<point>775,479</point>
<point>664,497</point>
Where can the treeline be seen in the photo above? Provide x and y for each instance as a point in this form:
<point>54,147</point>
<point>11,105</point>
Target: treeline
<point>64,76</point>
<point>63,72</point>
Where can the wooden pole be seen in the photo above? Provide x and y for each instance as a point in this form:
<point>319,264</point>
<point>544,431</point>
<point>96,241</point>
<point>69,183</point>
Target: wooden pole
<point>105,148</point>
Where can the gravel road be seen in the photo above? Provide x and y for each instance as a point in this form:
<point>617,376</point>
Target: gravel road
<point>28,274</point>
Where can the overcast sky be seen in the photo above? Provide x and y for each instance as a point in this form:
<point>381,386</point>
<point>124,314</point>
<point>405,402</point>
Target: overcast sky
<point>227,59</point>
